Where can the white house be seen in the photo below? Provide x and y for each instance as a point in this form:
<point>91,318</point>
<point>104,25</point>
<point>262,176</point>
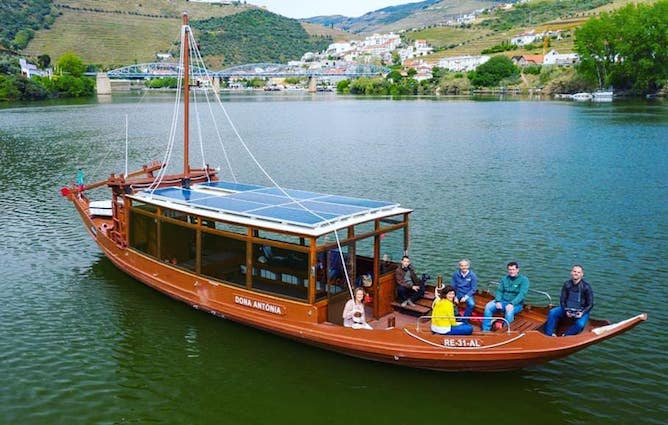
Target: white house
<point>29,70</point>
<point>338,49</point>
<point>422,48</point>
<point>462,63</point>
<point>554,58</point>
<point>526,38</point>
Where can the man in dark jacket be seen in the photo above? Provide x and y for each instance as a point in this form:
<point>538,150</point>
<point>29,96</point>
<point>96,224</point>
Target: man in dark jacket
<point>409,287</point>
<point>576,301</point>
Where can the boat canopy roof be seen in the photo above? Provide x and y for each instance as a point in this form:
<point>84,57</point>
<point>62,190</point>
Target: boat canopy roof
<point>302,212</point>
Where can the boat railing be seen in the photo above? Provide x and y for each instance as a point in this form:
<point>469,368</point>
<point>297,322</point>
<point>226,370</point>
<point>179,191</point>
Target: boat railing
<point>533,291</point>
<point>424,319</point>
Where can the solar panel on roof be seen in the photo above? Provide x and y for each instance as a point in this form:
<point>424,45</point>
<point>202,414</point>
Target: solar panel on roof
<point>238,187</point>
<point>301,207</point>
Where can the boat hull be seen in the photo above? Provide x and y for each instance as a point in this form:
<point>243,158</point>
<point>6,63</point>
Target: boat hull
<point>408,346</point>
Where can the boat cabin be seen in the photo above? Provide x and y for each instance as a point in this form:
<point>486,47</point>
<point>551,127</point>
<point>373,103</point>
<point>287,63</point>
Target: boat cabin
<point>275,242</point>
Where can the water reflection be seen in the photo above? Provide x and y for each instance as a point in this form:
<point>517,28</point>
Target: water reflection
<point>545,183</point>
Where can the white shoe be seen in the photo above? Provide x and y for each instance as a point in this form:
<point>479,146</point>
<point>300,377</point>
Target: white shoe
<point>405,303</point>
<point>411,303</point>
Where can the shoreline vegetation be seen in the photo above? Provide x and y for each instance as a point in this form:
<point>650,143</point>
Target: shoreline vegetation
<point>68,82</point>
<point>625,50</point>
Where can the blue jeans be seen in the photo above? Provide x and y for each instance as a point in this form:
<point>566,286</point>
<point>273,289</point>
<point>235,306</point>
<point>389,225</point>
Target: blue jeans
<point>490,309</point>
<point>557,314</point>
<point>463,329</point>
<point>470,305</point>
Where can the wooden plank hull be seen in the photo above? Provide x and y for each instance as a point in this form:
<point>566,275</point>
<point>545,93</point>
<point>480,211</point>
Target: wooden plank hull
<point>410,346</point>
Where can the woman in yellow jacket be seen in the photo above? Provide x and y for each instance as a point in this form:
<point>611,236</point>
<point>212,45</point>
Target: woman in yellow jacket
<point>443,315</point>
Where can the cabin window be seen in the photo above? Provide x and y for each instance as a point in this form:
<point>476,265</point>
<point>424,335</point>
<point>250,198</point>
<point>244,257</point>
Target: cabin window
<point>363,258</point>
<point>144,207</point>
<point>280,271</point>
<point>178,215</point>
<point>224,258</point>
<point>144,233</point>
<point>330,272</point>
<point>225,227</point>
<point>281,237</point>
<point>330,238</point>
<point>365,228</point>
<point>178,245</point>
<point>391,250</point>
<point>392,220</point>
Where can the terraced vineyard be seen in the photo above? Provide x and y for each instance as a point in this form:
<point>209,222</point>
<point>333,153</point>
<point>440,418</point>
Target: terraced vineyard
<point>120,32</point>
<point>471,41</point>
<point>114,40</point>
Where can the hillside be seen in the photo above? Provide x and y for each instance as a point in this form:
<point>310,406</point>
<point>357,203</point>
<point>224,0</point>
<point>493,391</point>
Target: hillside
<point>492,29</point>
<point>256,36</point>
<point>402,17</point>
<point>19,19</point>
<point>126,31</point>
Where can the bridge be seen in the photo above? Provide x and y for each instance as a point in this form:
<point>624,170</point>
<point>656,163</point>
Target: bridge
<point>263,70</point>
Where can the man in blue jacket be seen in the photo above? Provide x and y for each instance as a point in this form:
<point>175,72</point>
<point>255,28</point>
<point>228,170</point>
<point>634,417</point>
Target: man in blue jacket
<point>509,297</point>
<point>465,283</point>
<point>575,302</point>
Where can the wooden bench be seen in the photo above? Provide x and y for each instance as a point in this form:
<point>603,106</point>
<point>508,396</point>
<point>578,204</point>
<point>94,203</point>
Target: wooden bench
<point>415,310</point>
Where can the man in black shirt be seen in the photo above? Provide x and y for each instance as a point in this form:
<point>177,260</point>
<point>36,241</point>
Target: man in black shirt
<point>576,301</point>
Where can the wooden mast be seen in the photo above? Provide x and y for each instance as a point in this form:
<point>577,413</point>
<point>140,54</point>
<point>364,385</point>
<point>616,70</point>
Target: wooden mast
<point>186,101</point>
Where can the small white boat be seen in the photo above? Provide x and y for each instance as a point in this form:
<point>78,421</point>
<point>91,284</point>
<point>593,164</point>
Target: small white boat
<point>602,96</point>
<point>582,97</point>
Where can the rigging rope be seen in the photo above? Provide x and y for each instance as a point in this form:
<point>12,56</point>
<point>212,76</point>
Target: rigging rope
<point>198,59</point>
<point>172,134</point>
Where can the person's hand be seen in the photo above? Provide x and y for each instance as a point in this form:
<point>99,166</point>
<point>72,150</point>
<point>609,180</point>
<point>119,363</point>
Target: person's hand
<point>509,308</point>
<point>463,299</point>
<point>457,301</point>
<point>578,314</point>
<point>498,305</point>
<point>415,287</point>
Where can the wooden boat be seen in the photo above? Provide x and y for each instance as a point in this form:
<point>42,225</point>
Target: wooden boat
<point>284,261</point>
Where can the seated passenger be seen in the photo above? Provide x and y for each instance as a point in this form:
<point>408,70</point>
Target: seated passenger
<point>465,283</point>
<point>575,302</point>
<point>409,287</point>
<point>353,312</point>
<point>443,315</point>
<point>509,296</point>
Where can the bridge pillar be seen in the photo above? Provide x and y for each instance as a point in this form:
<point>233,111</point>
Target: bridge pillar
<point>103,83</point>
<point>312,84</point>
<point>216,84</point>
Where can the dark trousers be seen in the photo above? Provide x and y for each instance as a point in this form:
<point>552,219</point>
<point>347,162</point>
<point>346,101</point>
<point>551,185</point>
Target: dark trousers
<point>408,293</point>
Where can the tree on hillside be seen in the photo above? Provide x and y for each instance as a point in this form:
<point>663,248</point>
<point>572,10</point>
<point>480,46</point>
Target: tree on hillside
<point>71,64</point>
<point>626,49</point>
<point>490,73</point>
<point>256,36</point>
<point>44,61</point>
